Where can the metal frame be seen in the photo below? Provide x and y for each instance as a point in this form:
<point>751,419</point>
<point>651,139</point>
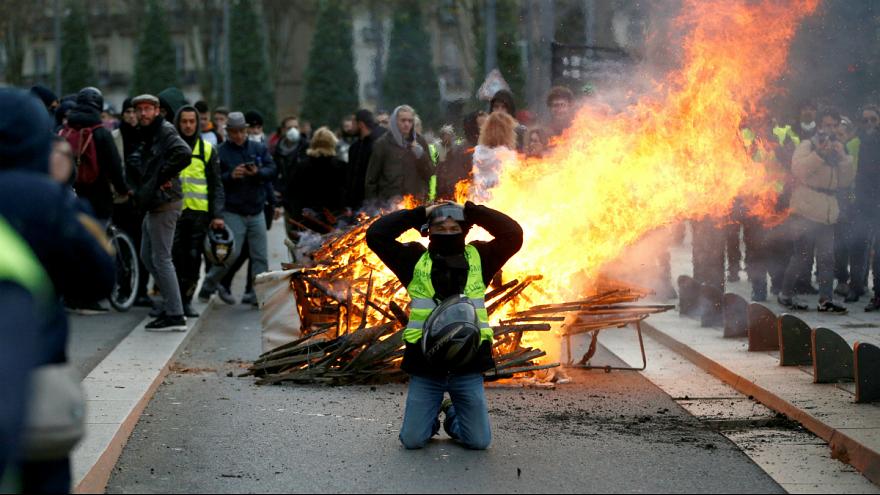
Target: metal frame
<point>583,363</point>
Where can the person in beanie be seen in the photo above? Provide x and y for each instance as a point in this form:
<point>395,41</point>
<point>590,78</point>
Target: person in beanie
<point>246,167</point>
<point>503,101</point>
<point>154,168</point>
<point>50,101</point>
<point>99,193</point>
<point>255,124</point>
<point>202,205</point>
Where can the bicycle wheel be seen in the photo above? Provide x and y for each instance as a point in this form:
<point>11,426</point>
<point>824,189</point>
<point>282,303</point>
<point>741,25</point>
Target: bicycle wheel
<point>127,272</point>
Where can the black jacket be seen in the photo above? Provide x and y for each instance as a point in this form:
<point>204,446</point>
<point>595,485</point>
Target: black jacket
<point>159,158</point>
<point>867,182</point>
<point>358,161</point>
<point>246,196</point>
<point>402,259</point>
<point>98,193</point>
<point>68,245</point>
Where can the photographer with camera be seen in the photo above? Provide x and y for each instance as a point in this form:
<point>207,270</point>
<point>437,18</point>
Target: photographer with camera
<point>821,169</point>
<point>245,166</point>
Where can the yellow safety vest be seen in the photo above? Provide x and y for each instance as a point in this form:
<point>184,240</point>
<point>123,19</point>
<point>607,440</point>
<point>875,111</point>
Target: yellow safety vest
<point>421,291</point>
<point>194,180</point>
<point>19,264</point>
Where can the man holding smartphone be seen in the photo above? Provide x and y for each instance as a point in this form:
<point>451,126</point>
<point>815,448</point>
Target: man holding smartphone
<point>245,167</point>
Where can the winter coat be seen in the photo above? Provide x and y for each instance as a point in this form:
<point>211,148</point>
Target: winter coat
<point>287,158</point>
<point>358,161</point>
<point>110,171</point>
<point>394,171</point>
<point>66,240</point>
<point>159,158</point>
<point>246,196</point>
<point>816,184</point>
<point>402,259</point>
<point>867,183</point>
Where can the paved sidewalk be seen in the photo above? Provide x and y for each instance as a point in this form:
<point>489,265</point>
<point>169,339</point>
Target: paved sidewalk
<point>828,410</point>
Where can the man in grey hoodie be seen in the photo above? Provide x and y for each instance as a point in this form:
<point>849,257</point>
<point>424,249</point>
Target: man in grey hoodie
<point>400,164</point>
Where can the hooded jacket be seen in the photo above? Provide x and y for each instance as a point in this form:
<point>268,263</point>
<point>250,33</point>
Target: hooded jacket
<point>399,166</point>
<point>216,196</point>
<point>48,217</point>
<point>159,157</point>
<point>86,114</point>
<point>402,259</point>
<point>171,100</point>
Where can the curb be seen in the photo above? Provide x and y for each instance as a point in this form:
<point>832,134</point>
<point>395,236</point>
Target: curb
<point>98,474</point>
<point>843,448</point>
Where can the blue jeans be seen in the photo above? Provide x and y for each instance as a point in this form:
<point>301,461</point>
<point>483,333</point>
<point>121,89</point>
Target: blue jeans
<point>466,421</point>
<point>253,229</point>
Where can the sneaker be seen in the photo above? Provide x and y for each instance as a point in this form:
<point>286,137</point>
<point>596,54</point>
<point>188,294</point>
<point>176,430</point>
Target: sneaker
<point>842,289</point>
<point>791,303</point>
<point>225,296</point>
<point>249,298</point>
<point>91,309</point>
<point>167,323</point>
<point>205,295</point>
<point>874,305</point>
<point>189,311</point>
<point>829,306</point>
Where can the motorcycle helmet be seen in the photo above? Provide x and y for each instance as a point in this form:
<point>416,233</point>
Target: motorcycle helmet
<point>219,246</point>
<point>451,336</point>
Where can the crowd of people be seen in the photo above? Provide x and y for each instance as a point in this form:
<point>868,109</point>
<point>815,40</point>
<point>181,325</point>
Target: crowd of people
<point>179,176</point>
<point>187,183</point>
<point>826,168</point>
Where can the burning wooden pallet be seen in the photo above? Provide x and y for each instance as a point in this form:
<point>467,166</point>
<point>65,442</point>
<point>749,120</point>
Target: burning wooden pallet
<point>354,310</point>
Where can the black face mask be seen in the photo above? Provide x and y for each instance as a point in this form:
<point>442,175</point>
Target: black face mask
<point>446,244</point>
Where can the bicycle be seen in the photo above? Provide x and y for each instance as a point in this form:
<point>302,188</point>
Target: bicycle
<point>127,271</point>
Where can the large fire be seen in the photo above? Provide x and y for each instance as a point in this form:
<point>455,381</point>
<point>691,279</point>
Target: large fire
<point>672,155</point>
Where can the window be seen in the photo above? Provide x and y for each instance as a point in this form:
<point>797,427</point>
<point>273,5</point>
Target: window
<point>102,60</point>
<point>180,57</point>
<point>41,66</point>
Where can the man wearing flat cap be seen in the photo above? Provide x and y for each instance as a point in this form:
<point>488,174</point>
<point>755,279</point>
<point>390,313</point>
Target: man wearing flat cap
<point>154,172</point>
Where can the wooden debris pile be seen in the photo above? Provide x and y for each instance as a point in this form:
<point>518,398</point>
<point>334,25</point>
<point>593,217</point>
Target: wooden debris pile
<point>354,310</point>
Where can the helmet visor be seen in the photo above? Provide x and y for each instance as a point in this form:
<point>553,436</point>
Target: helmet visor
<point>443,212</point>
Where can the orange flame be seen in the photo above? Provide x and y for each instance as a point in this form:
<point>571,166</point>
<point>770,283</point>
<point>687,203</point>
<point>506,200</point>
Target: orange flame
<point>674,154</point>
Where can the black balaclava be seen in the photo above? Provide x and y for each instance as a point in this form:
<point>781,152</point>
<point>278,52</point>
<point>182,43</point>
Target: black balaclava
<point>446,244</point>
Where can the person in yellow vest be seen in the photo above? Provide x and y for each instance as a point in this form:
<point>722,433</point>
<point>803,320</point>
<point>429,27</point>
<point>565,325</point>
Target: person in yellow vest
<point>448,338</point>
<point>203,200</point>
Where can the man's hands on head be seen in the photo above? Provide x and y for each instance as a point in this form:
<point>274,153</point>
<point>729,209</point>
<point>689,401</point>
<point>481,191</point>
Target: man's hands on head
<point>434,206</point>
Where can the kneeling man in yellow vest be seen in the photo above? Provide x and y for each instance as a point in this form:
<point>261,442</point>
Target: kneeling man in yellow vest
<point>448,338</point>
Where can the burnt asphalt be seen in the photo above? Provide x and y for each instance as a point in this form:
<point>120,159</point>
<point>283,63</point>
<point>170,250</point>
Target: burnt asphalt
<point>205,431</point>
